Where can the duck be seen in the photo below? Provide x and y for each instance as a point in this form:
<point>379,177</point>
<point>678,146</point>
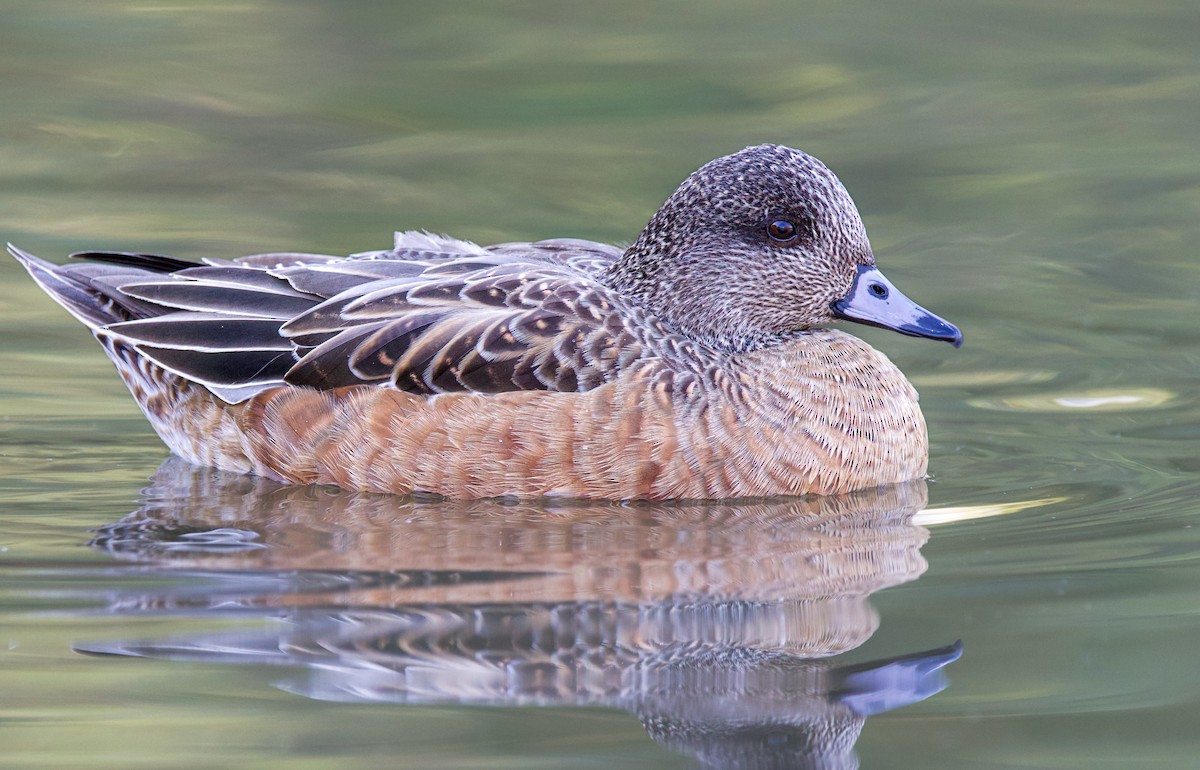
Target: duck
<point>698,363</point>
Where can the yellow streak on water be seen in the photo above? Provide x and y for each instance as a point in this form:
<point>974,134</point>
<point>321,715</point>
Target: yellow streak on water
<point>1104,399</point>
<point>933,516</point>
<point>981,378</point>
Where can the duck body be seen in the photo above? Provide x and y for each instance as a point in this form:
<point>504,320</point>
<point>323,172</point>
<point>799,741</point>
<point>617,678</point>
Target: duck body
<point>692,365</point>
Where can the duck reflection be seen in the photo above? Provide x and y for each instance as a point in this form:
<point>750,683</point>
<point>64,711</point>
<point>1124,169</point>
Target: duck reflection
<point>712,622</point>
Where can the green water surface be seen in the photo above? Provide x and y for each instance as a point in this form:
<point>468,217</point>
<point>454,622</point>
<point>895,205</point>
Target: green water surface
<point>1028,170</point>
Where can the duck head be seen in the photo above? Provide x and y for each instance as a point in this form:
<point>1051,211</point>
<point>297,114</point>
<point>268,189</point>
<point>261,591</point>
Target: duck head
<point>758,247</point>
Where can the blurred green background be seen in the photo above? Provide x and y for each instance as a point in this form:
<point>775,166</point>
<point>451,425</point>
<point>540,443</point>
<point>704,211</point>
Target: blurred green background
<point>1028,170</point>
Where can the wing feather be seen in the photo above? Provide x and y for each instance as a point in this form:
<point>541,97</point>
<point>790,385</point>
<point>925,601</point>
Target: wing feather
<point>378,356</point>
<point>432,315</point>
<point>225,368</point>
<point>205,297</point>
<point>241,278</point>
<point>327,365</point>
<point>491,330</point>
<point>203,332</point>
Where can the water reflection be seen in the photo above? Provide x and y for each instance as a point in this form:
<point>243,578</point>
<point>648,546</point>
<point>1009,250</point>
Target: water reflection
<point>711,622</point>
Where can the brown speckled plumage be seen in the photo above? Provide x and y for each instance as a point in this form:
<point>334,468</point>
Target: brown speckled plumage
<point>691,366</point>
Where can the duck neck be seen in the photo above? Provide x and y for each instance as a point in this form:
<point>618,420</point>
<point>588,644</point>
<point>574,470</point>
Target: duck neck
<point>659,286</point>
<point>634,274</point>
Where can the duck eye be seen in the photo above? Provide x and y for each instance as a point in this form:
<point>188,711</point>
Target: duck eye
<point>782,230</point>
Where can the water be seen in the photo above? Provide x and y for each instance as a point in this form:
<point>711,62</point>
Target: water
<point>1028,171</point>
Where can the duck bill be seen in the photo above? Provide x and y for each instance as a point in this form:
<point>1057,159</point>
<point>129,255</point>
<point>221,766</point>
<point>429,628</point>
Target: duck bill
<point>873,300</point>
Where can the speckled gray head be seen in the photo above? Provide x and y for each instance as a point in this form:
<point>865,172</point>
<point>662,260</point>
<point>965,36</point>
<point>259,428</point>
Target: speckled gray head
<point>757,247</point>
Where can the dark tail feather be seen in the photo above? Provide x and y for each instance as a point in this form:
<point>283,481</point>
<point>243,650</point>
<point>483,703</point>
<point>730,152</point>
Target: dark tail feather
<point>73,293</point>
<point>156,263</point>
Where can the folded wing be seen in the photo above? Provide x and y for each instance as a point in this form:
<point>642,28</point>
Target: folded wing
<point>433,315</point>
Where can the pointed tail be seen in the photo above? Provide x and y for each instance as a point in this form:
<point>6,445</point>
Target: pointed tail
<point>69,289</point>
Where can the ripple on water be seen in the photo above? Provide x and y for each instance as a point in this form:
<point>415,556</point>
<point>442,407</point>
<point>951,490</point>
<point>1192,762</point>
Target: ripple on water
<point>977,379</point>
<point>1108,400</point>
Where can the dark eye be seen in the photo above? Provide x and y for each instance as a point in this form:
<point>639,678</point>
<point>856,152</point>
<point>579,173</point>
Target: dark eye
<point>782,230</point>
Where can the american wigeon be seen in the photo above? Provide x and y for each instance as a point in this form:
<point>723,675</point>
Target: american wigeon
<point>694,364</point>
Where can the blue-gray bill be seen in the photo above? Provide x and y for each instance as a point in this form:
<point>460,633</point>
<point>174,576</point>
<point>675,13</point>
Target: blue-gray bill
<point>873,300</point>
